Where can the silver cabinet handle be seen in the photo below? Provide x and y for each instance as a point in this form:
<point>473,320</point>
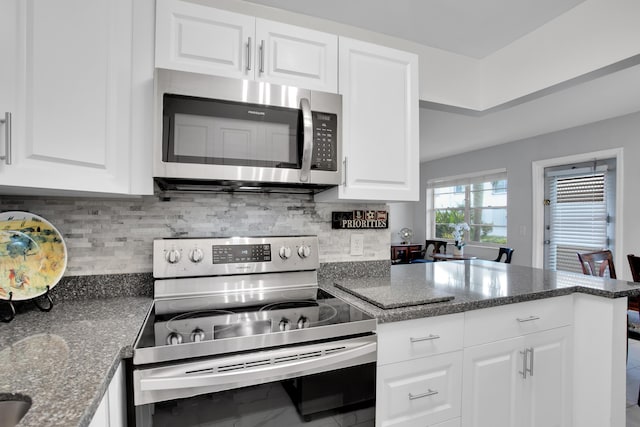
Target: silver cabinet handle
<point>307,147</point>
<point>527,319</point>
<point>249,54</point>
<point>418,396</point>
<point>7,138</point>
<point>524,364</point>
<point>344,168</point>
<point>530,351</point>
<point>427,338</point>
<point>261,56</point>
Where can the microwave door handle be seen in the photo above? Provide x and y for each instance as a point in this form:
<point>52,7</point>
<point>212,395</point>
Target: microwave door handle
<point>307,132</point>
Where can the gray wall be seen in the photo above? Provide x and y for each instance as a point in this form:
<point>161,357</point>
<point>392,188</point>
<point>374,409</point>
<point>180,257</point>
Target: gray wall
<point>107,236</point>
<point>517,158</point>
<point>401,216</point>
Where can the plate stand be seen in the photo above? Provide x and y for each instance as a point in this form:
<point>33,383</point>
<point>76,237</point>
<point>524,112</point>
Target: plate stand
<point>11,312</point>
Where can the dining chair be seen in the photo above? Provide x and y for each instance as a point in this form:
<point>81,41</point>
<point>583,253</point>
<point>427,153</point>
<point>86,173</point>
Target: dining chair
<point>634,265</point>
<point>633,303</point>
<point>507,253</point>
<point>598,263</point>
<point>439,246</point>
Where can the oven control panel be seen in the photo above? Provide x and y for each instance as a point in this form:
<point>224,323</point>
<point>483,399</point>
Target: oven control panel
<point>194,257</point>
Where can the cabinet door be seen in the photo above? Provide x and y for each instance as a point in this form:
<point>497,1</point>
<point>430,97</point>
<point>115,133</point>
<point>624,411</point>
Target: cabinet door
<point>423,391</point>
<point>72,95</point>
<point>549,385</point>
<point>201,39</point>
<point>9,70</point>
<point>101,416</point>
<point>296,56</point>
<point>379,88</point>
<point>112,411</point>
<point>492,386</point>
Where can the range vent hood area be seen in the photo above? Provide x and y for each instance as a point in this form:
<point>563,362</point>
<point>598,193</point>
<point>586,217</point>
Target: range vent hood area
<point>167,186</point>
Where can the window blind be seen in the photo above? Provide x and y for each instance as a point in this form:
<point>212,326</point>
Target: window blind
<point>578,218</point>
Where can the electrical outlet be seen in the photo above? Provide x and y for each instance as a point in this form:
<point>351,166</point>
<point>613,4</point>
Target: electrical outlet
<point>357,244</point>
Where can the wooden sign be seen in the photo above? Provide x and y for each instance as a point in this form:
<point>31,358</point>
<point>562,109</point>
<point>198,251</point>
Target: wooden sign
<point>359,220</point>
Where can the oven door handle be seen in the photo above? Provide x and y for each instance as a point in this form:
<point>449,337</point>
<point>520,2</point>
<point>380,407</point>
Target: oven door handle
<point>304,365</point>
<point>307,134</point>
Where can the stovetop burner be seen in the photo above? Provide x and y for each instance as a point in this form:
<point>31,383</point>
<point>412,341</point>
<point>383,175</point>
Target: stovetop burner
<point>216,324</point>
<point>262,293</point>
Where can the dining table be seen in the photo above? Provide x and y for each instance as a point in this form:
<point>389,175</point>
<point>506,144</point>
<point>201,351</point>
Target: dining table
<point>451,257</point>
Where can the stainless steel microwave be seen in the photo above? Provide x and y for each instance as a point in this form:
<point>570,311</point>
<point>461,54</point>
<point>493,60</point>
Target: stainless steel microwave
<point>220,133</point>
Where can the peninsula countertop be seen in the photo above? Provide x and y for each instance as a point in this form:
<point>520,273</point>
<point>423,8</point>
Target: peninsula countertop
<point>473,284</point>
<point>64,359</point>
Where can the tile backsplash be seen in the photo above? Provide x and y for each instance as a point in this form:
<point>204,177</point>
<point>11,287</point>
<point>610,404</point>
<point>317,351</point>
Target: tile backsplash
<point>112,236</point>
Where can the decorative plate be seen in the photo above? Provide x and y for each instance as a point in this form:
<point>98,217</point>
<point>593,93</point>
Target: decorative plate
<point>33,255</point>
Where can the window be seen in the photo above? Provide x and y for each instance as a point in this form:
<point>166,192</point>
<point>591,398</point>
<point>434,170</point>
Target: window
<point>480,201</point>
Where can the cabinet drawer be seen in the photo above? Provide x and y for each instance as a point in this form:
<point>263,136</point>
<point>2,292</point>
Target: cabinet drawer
<point>496,323</point>
<point>422,391</point>
<point>409,339</point>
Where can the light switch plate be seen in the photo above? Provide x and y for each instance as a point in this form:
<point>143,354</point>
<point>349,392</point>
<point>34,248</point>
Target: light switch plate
<point>357,244</point>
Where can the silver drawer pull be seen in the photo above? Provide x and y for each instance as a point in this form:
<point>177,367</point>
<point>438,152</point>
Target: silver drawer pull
<point>7,138</point>
<point>527,319</point>
<point>418,396</point>
<point>427,338</point>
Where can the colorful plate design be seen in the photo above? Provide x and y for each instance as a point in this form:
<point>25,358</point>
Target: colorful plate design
<point>33,255</point>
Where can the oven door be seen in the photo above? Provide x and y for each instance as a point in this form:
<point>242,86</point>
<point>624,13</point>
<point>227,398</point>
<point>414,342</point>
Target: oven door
<point>285,385</point>
<point>187,379</point>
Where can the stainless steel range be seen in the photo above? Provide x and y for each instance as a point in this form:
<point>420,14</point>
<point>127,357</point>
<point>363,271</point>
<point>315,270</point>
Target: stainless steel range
<point>240,311</point>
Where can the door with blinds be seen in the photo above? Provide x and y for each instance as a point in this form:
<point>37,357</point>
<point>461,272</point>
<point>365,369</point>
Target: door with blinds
<point>579,212</point>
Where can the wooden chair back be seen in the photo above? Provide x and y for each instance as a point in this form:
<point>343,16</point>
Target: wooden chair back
<point>598,263</point>
<point>634,264</point>
<point>507,253</point>
<point>439,246</point>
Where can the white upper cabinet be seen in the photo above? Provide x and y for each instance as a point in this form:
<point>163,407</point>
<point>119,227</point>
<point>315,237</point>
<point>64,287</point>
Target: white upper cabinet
<point>380,140</point>
<point>196,38</point>
<point>200,39</point>
<point>67,82</point>
<point>290,55</point>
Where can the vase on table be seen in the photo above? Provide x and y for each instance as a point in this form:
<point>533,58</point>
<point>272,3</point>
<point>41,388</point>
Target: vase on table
<point>458,251</point>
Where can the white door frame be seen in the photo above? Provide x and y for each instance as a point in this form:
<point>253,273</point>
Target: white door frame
<point>537,223</point>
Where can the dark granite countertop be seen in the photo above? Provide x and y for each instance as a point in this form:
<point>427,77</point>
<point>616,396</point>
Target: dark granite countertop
<point>64,359</point>
<point>472,284</point>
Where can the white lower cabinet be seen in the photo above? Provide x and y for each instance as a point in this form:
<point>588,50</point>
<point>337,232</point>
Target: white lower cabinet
<point>420,372</point>
<point>523,381</point>
<point>112,411</point>
<point>514,368</point>
<point>421,391</point>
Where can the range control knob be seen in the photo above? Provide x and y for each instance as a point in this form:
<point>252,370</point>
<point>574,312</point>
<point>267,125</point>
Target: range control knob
<point>173,256</point>
<point>285,252</point>
<point>197,335</point>
<point>174,338</point>
<point>284,324</point>
<point>196,255</point>
<point>304,251</point>
<point>303,322</point>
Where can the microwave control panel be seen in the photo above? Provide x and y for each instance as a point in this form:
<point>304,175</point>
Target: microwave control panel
<point>325,133</point>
